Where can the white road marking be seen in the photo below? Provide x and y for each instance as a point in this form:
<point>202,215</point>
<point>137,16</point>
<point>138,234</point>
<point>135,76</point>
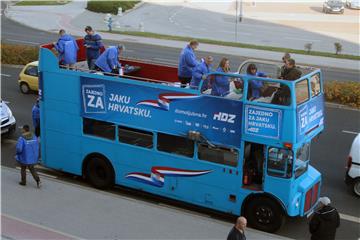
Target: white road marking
<point>349,218</point>
<point>5,75</point>
<point>350,132</point>
<point>12,141</point>
<point>14,40</point>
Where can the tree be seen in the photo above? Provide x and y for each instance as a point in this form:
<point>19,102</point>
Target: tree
<point>338,47</point>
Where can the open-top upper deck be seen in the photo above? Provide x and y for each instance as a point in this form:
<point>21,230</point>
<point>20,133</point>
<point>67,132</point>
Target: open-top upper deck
<point>151,98</point>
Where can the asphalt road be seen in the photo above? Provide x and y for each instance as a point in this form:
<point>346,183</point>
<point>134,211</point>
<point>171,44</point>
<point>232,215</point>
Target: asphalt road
<point>15,33</point>
<point>328,156</point>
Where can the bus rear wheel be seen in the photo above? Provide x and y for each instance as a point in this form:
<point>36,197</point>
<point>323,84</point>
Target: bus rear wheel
<point>99,172</point>
<point>265,214</point>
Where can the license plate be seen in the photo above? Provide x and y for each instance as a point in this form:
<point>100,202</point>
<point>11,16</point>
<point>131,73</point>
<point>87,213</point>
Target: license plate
<point>5,130</point>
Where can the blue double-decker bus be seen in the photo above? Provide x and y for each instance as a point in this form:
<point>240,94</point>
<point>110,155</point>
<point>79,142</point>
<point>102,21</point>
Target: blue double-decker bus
<point>238,154</point>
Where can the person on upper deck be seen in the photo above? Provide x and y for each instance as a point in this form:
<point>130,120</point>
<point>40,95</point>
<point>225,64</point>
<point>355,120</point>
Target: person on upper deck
<point>108,62</point>
<point>284,58</point>
<point>67,48</point>
<point>200,74</point>
<point>291,72</point>
<point>187,61</point>
<point>221,84</point>
<point>256,86</point>
<point>93,44</point>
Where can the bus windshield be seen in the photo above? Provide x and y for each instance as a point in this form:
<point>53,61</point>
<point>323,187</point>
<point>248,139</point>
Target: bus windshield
<point>302,159</point>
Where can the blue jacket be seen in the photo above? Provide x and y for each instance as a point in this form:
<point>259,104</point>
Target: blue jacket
<point>27,149</point>
<point>108,60</point>
<point>256,85</point>
<point>221,84</point>
<point>67,49</point>
<point>187,61</point>
<point>36,115</point>
<point>198,71</point>
<point>94,44</point>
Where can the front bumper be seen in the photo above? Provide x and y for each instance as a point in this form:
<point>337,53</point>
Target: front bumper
<point>9,126</point>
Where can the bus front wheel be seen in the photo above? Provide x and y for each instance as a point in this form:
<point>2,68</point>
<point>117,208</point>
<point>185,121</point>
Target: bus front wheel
<point>99,172</point>
<point>265,214</point>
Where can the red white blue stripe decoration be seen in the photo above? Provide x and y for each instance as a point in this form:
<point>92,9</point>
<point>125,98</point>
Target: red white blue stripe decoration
<point>164,100</point>
<point>157,176</point>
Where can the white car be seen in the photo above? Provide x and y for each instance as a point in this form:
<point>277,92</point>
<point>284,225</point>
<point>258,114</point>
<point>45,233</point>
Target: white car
<point>355,4</point>
<point>352,177</point>
<point>8,122</point>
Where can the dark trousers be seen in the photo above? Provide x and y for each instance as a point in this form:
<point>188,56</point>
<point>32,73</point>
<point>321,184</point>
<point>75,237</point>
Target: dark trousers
<point>37,131</point>
<point>91,63</point>
<point>32,171</point>
<point>184,81</point>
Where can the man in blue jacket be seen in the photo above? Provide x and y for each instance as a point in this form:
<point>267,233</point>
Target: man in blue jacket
<point>200,74</point>
<point>27,154</point>
<point>108,62</point>
<point>93,44</point>
<point>67,48</point>
<point>187,61</point>
<point>36,118</point>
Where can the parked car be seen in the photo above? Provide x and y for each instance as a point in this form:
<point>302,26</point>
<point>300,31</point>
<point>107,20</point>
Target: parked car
<point>8,122</point>
<point>333,6</point>
<point>352,177</point>
<point>29,78</point>
<point>354,4</point>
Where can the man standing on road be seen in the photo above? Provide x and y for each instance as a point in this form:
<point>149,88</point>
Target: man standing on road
<point>67,48</point>
<point>36,118</point>
<point>27,154</point>
<point>108,62</point>
<point>324,222</point>
<point>187,61</point>
<point>93,44</point>
<point>238,231</point>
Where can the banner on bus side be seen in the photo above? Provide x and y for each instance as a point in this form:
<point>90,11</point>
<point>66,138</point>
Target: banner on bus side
<point>172,112</point>
<point>310,116</point>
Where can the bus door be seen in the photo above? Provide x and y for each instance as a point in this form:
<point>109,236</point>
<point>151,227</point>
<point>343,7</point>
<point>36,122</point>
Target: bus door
<point>253,166</point>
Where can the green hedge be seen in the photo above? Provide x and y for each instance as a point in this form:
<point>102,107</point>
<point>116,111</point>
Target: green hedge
<point>18,54</point>
<point>109,6</point>
<point>347,93</point>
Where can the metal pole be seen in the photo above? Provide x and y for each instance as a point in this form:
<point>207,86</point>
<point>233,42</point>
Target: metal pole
<point>241,10</point>
<point>236,20</point>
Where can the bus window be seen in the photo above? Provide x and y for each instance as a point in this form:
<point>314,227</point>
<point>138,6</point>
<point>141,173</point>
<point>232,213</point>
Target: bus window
<point>302,91</point>
<point>175,144</point>
<point>279,162</point>
<point>99,128</point>
<point>218,155</point>
<point>301,161</point>
<point>135,137</point>
<point>315,85</point>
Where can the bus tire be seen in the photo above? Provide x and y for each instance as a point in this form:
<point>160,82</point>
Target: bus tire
<point>99,172</point>
<point>24,88</point>
<point>264,213</point>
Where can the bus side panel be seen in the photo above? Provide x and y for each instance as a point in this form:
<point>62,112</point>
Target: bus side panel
<point>61,123</point>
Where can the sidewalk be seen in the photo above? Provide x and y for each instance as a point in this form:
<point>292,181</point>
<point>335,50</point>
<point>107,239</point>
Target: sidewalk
<point>65,211</point>
<point>73,17</point>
